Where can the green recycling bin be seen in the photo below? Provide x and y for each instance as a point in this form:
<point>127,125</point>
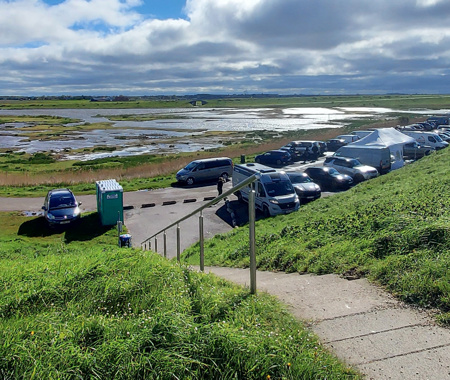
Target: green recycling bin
<point>109,201</point>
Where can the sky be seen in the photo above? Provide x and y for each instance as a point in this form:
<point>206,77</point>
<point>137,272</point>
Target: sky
<point>182,47</point>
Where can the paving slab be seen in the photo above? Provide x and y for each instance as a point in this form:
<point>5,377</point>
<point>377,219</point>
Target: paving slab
<point>389,344</point>
<point>431,364</point>
<point>366,323</point>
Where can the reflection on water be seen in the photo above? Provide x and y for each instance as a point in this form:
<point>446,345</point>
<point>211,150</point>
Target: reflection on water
<point>138,137</point>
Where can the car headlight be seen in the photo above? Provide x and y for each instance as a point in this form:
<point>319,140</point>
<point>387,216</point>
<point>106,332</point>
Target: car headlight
<point>317,187</point>
<point>50,216</point>
<point>274,201</point>
<point>76,212</point>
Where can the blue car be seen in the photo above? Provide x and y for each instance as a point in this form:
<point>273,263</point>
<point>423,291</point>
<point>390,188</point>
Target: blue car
<point>274,157</point>
<point>61,208</point>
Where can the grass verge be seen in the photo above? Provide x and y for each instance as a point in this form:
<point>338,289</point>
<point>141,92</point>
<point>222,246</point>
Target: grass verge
<point>73,305</point>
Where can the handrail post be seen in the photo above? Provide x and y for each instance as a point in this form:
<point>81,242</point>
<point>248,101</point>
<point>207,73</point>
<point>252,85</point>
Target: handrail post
<point>178,243</point>
<point>165,243</point>
<point>156,244</point>
<point>202,251</point>
<point>251,226</point>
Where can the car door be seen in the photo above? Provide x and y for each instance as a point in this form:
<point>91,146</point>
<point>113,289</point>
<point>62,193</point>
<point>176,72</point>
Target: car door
<point>201,172</point>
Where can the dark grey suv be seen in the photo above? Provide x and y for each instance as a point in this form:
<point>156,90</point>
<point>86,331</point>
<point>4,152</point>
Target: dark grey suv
<point>61,208</point>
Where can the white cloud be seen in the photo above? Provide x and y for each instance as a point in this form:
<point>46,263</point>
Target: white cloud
<point>224,45</point>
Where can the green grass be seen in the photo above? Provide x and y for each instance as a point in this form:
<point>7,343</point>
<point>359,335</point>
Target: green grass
<point>394,230</point>
<point>392,101</point>
<point>73,305</point>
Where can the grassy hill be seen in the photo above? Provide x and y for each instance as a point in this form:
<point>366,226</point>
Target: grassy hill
<point>395,230</point>
<point>75,306</point>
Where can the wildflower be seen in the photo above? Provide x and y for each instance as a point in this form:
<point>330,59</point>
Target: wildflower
<point>32,333</point>
<point>289,365</point>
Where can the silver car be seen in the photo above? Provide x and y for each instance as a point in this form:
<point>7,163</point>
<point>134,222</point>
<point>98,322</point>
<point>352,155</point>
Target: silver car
<point>352,167</point>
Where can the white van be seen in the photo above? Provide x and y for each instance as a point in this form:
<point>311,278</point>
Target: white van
<point>275,193</point>
<point>207,169</point>
<point>427,138</point>
<point>373,155</point>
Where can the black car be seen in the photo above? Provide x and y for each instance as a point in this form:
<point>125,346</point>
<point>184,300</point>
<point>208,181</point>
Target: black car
<point>274,157</point>
<point>329,178</point>
<point>306,189</point>
<point>61,208</point>
<point>334,144</point>
<point>413,150</point>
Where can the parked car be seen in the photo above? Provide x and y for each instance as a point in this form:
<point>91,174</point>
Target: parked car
<point>353,167</point>
<point>444,136</point>
<point>299,148</point>
<point>334,144</point>
<point>348,138</point>
<point>274,157</point>
<point>329,178</point>
<point>413,151</point>
<point>61,207</point>
<point>207,169</point>
<point>306,189</point>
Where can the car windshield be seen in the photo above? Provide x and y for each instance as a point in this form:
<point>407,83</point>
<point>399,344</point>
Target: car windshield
<point>298,178</point>
<point>333,172</point>
<point>354,163</point>
<point>62,201</point>
<point>279,188</point>
<point>191,166</point>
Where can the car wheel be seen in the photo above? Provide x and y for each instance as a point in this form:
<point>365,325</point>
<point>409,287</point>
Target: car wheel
<point>266,212</point>
<point>258,161</point>
<point>190,181</point>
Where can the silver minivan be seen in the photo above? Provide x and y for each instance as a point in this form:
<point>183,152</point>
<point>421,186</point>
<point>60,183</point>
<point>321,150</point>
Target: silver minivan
<point>207,169</point>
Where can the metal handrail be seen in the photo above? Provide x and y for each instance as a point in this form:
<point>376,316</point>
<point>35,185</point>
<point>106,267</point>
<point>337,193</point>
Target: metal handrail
<point>251,209</point>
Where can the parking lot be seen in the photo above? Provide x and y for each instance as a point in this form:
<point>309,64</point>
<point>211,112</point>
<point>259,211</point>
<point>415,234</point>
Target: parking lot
<point>148,212</point>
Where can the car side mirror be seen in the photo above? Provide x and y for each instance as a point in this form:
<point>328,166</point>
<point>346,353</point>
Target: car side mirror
<point>44,208</point>
<point>79,204</point>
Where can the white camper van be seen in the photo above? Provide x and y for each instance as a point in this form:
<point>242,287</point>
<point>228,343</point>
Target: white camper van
<point>427,138</point>
<point>275,193</point>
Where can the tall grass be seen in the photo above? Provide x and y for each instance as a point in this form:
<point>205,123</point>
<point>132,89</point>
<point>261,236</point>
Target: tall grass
<point>394,229</point>
<point>73,305</point>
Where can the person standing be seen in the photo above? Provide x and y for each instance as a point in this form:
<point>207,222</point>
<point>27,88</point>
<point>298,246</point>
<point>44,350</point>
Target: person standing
<point>315,152</point>
<point>220,182</point>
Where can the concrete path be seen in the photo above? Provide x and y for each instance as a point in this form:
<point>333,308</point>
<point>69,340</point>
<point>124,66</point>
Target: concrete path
<point>363,325</point>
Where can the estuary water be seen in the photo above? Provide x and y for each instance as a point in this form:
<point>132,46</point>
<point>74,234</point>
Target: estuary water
<point>183,131</point>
